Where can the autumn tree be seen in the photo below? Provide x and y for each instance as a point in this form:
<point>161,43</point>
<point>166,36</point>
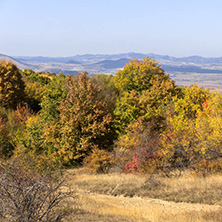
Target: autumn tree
<point>190,101</point>
<point>36,85</point>
<point>208,131</point>
<point>32,76</point>
<point>109,92</point>
<point>54,94</point>
<point>139,75</point>
<point>11,85</point>
<point>137,149</point>
<point>178,145</point>
<point>145,92</point>
<point>6,146</point>
<point>99,161</point>
<point>84,123</point>
<point>191,125</point>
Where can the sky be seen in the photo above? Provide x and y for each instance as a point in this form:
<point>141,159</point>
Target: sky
<point>69,27</point>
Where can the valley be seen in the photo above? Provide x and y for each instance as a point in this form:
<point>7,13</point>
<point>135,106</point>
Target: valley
<point>206,72</point>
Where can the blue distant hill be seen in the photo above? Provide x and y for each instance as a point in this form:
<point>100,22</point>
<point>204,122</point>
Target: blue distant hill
<point>109,63</point>
<point>113,64</point>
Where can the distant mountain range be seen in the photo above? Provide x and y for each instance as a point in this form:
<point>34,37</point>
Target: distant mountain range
<point>93,58</point>
<point>185,70</point>
<point>105,63</point>
<point>19,64</point>
<point>113,64</point>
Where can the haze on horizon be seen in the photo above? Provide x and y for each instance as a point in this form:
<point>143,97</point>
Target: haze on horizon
<point>70,27</point>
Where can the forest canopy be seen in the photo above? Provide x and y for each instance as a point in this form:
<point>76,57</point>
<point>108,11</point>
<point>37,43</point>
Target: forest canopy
<point>138,120</point>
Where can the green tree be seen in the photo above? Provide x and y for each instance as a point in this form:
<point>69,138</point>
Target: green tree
<point>32,76</point>
<point>36,85</point>
<point>54,94</point>
<point>128,109</point>
<point>38,125</point>
<point>109,92</point>
<point>11,85</point>
<point>34,92</point>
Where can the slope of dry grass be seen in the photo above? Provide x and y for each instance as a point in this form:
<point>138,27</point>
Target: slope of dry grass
<point>188,188</point>
<point>98,207</point>
<point>128,197</point>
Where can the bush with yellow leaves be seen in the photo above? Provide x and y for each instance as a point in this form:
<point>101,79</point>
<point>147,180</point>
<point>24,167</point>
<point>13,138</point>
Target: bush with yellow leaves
<point>100,161</point>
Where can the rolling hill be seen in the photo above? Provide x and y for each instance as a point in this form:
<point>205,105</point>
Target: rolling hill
<point>207,72</point>
<point>113,64</point>
<point>19,64</point>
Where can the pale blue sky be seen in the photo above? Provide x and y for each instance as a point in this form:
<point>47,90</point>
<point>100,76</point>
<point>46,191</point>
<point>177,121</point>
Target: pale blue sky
<point>70,27</point>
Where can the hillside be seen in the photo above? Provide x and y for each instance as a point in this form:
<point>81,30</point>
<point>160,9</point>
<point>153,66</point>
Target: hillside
<point>19,64</point>
<point>207,72</point>
<point>130,197</point>
<point>113,64</point>
<point>95,58</point>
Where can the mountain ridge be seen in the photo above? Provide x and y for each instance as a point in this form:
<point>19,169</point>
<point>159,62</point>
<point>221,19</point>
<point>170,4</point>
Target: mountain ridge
<point>207,72</point>
<point>130,55</point>
<point>19,64</point>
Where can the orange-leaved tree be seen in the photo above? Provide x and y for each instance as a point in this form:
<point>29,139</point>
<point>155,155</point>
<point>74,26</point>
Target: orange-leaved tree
<point>137,150</point>
<point>84,123</point>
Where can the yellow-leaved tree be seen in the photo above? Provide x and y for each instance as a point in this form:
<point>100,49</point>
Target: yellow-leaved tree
<point>145,90</point>
<point>193,136</point>
<point>208,129</point>
<point>11,85</point>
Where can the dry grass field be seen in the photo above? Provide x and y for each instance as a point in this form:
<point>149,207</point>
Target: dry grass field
<point>206,80</point>
<point>131,197</point>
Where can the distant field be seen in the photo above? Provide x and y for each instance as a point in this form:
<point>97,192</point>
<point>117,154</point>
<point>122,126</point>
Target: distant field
<point>207,80</point>
<point>206,72</point>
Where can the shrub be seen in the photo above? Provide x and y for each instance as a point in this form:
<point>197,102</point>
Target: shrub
<point>100,161</point>
<point>6,147</point>
<point>26,195</point>
<point>137,150</point>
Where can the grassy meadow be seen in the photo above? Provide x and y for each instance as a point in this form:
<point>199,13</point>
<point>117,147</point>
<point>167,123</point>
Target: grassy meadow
<point>133,197</point>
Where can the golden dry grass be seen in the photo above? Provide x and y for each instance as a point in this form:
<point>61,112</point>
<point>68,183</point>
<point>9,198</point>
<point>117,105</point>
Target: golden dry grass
<point>187,188</point>
<point>98,207</point>
<point>109,197</point>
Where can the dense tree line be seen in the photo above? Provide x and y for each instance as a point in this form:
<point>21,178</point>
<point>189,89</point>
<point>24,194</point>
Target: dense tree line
<point>137,120</point>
